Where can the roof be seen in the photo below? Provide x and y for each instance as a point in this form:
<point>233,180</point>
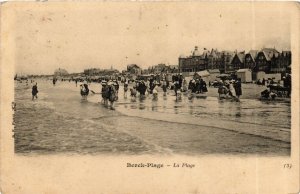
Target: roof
<point>196,52</point>
<point>285,53</point>
<point>228,52</point>
<point>205,53</point>
<point>214,53</point>
<point>241,56</point>
<point>243,70</point>
<point>253,54</point>
<point>203,73</point>
<point>133,65</point>
<point>269,50</point>
<point>230,56</point>
<point>269,53</point>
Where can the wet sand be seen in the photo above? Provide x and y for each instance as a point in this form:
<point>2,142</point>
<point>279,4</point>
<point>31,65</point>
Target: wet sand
<point>58,122</point>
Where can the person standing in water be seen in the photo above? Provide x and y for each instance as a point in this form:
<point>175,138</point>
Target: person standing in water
<point>85,84</point>
<point>104,93</point>
<point>238,88</point>
<point>116,85</point>
<point>84,90</point>
<point>184,86</point>
<point>232,90</point>
<point>177,87</point>
<point>112,94</point>
<point>142,89</point>
<point>125,88</point>
<point>151,85</point>
<point>155,92</point>
<point>34,91</point>
<point>164,86</point>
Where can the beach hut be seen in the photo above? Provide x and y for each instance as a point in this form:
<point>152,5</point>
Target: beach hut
<point>245,75</point>
<point>262,75</point>
<point>205,75</point>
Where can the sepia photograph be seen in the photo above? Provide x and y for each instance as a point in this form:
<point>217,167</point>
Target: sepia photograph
<point>149,97</point>
<point>139,83</point>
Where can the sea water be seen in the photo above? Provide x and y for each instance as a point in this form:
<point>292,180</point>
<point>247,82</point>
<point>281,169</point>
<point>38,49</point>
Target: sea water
<point>60,122</point>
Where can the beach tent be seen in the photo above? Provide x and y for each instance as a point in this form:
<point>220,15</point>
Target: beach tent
<point>245,75</point>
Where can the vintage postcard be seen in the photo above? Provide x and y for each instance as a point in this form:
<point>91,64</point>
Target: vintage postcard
<point>149,97</point>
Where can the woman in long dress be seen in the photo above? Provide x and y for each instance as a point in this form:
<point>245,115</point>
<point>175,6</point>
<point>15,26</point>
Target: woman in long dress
<point>232,90</point>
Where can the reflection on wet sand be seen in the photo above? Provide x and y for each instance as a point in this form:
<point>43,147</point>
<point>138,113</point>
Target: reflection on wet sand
<point>59,122</point>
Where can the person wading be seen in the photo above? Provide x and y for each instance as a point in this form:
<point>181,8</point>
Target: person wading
<point>232,90</point>
<point>238,88</point>
<point>112,93</point>
<point>34,91</point>
<point>164,86</point>
<point>125,88</point>
<point>84,90</point>
<point>104,92</point>
<point>142,89</point>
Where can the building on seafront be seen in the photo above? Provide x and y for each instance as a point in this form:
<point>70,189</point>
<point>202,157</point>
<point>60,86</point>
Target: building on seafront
<point>271,61</point>
<point>207,60</point>
<point>60,72</point>
<point>193,63</point>
<point>162,68</point>
<point>157,69</point>
<point>267,60</point>
<point>250,57</point>
<point>237,62</point>
<point>226,62</point>
<point>133,69</point>
<point>100,72</point>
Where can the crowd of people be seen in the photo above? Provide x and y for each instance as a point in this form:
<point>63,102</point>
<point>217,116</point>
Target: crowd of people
<point>230,88</point>
<point>197,86</point>
<point>142,88</point>
<point>227,89</point>
<point>275,90</point>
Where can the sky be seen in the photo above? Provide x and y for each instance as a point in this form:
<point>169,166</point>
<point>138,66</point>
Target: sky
<point>77,36</point>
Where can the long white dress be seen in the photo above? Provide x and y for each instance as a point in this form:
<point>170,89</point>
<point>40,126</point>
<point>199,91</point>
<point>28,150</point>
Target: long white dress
<point>232,90</point>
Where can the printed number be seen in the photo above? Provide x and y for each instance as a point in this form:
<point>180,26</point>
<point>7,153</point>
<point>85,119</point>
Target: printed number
<point>288,166</point>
